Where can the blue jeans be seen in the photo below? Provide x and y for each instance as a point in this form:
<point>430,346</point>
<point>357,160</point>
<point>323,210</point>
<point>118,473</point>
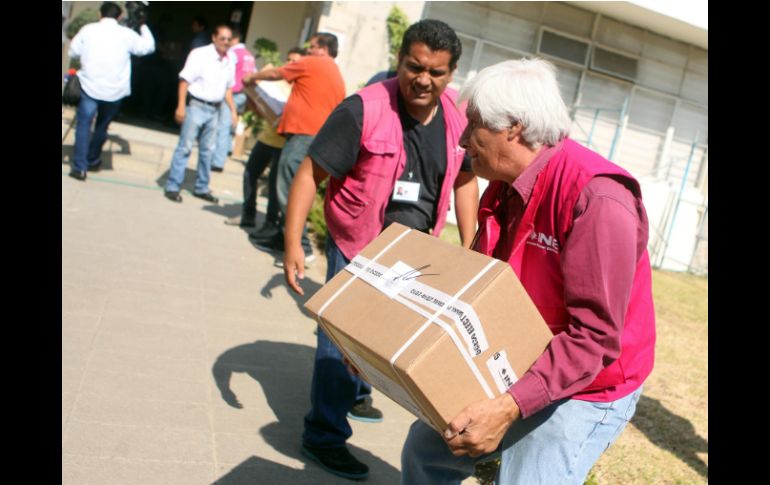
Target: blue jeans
<point>224,136</point>
<point>225,129</point>
<point>200,123</point>
<point>333,390</point>
<point>559,444</point>
<point>88,148</point>
<point>294,151</point>
<point>261,156</point>
<point>240,102</point>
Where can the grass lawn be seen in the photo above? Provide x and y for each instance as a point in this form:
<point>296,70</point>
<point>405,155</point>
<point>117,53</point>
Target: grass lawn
<point>667,439</point>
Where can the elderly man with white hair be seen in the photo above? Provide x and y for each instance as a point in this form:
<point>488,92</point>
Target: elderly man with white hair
<point>573,227</point>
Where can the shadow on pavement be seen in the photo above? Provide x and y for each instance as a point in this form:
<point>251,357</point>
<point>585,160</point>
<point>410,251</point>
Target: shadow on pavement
<point>226,210</point>
<point>68,151</point>
<point>283,371</point>
<point>670,432</point>
<point>307,284</point>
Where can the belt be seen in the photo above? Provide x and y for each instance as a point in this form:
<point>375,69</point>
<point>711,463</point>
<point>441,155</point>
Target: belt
<point>216,105</point>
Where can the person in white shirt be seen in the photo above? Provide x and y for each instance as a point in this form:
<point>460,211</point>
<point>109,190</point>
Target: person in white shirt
<point>208,77</point>
<point>104,49</point>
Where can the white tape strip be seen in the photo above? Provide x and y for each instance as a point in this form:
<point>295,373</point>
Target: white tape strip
<point>452,335</point>
<point>463,315</point>
<point>359,273</point>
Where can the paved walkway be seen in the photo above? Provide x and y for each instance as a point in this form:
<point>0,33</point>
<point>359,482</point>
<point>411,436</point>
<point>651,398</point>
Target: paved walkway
<point>185,360</point>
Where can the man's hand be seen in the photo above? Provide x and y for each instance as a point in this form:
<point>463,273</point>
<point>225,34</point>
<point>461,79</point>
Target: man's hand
<point>480,427</point>
<point>179,114</point>
<point>294,267</point>
<point>233,118</point>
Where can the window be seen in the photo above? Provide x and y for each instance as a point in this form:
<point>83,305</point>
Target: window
<point>613,63</point>
<point>562,47</point>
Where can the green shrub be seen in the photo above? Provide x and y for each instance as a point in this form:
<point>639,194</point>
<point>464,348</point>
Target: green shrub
<point>87,16</point>
<point>397,23</point>
<point>316,217</point>
<point>267,50</point>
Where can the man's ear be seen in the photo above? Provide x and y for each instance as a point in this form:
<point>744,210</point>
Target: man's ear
<point>514,131</point>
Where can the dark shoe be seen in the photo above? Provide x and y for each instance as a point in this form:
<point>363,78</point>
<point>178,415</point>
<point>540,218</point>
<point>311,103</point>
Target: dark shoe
<point>207,197</point>
<point>272,245</point>
<point>95,168</point>
<point>171,195</point>
<point>266,231</point>
<point>241,222</point>
<point>78,175</point>
<point>217,169</point>
<point>363,411</point>
<point>338,461</point>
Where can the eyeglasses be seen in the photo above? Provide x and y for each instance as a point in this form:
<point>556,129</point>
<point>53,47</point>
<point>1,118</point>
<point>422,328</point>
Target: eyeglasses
<point>228,39</point>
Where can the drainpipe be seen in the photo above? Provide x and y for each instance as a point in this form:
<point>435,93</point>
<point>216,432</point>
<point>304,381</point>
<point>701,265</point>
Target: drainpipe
<point>679,198</point>
<point>623,119</point>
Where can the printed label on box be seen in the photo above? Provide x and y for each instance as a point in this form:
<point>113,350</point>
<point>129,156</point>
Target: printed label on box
<point>501,370</point>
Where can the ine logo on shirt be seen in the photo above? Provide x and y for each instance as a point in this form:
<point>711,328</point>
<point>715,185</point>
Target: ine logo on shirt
<point>543,241</point>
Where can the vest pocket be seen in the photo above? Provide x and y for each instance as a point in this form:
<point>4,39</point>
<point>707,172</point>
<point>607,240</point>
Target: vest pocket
<point>349,202</point>
<point>380,147</point>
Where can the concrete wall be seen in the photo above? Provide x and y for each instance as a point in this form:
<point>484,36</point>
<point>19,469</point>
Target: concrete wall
<point>280,22</point>
<point>362,32</point>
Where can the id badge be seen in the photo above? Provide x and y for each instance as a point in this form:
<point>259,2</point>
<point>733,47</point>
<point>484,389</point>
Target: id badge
<point>406,191</point>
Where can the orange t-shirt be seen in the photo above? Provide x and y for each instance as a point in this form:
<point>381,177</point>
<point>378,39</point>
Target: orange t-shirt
<point>318,88</point>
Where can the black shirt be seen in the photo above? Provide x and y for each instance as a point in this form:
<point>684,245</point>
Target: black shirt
<point>337,145</point>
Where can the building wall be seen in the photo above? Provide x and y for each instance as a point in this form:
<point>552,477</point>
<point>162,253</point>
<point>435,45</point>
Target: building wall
<point>637,97</point>
<point>281,22</point>
<point>362,32</point>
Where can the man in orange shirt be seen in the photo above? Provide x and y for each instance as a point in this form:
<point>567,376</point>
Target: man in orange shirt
<point>317,89</point>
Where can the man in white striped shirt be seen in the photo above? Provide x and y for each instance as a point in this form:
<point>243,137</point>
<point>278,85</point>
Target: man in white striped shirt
<point>104,49</point>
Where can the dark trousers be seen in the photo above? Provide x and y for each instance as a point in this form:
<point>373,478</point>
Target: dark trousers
<point>333,390</point>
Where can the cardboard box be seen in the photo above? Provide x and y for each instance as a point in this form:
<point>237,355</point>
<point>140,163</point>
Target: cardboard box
<point>269,98</point>
<point>431,325</point>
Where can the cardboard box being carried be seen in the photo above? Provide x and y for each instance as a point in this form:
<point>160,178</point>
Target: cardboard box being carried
<point>433,326</point>
<point>269,97</point>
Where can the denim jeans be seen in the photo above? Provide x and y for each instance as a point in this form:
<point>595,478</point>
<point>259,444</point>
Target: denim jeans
<point>200,123</point>
<point>88,147</point>
<point>224,136</point>
<point>333,390</point>
<point>557,445</point>
<point>294,151</point>
<point>261,156</point>
<point>240,102</point>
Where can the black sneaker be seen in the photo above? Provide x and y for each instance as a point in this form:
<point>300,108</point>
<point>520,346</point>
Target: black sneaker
<point>173,195</point>
<point>363,411</point>
<point>266,231</point>
<point>338,461</point>
<point>272,245</point>
<point>246,223</point>
<point>217,169</point>
<point>208,197</point>
<point>78,175</point>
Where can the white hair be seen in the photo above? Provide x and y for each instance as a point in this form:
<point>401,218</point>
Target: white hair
<point>523,91</point>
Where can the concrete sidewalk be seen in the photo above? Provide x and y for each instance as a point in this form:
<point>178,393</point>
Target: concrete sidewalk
<point>185,360</point>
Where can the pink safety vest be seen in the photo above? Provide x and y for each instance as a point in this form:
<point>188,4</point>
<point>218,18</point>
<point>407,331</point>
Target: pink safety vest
<point>355,205</point>
<point>244,65</point>
<point>549,215</point>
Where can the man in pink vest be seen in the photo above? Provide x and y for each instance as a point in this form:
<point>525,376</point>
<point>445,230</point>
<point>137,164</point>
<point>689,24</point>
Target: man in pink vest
<point>573,227</point>
<point>393,156</point>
